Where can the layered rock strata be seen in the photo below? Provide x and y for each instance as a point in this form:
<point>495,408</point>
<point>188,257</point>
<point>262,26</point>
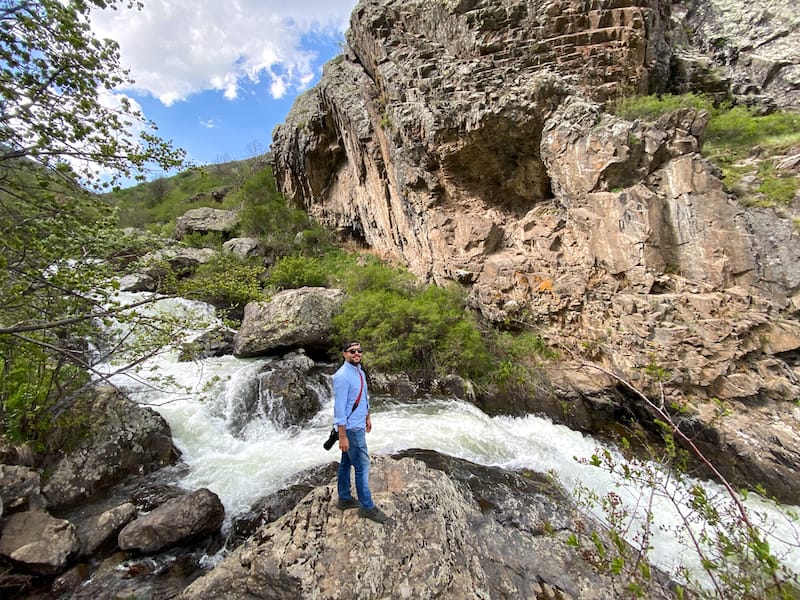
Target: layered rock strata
<point>470,139</point>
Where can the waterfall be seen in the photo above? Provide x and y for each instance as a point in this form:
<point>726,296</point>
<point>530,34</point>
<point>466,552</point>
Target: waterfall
<point>241,462</point>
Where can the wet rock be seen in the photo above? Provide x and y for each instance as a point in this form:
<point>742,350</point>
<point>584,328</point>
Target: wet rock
<point>125,439</point>
<point>177,521</point>
<point>218,342</point>
<point>107,528</point>
<point>38,541</point>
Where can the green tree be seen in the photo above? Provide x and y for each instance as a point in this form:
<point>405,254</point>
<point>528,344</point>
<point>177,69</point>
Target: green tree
<point>59,124</point>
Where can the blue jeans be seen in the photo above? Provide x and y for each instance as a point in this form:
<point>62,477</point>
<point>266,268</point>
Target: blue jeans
<point>357,457</point>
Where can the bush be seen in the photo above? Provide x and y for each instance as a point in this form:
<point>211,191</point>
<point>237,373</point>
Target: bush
<point>521,353</point>
<point>292,272</point>
<point>283,229</point>
<point>422,331</point>
<point>225,281</point>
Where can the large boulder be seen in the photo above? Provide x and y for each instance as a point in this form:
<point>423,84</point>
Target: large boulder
<point>292,318</point>
<point>445,541</point>
<point>38,541</point>
<point>285,391</point>
<point>206,220</point>
<point>179,520</point>
<point>124,439</point>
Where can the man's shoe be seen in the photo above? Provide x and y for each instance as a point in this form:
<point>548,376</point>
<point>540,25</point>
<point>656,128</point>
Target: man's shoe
<point>374,514</point>
<point>345,504</point>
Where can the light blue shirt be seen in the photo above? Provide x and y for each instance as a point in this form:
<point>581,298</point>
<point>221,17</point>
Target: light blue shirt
<point>346,385</point>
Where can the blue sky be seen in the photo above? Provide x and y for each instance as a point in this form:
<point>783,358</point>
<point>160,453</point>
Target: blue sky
<point>217,76</point>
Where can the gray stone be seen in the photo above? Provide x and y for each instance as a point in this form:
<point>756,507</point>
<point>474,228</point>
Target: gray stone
<point>206,220</point>
<point>20,487</point>
<point>244,247</point>
<point>137,282</point>
<point>179,520</point>
<point>42,543</point>
<point>107,527</point>
<point>446,540</point>
<point>125,439</point>
<point>292,318</point>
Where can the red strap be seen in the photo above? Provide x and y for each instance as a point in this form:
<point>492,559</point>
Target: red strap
<point>358,398</point>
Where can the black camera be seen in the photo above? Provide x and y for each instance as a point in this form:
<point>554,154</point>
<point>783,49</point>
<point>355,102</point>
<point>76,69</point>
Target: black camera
<point>332,439</point>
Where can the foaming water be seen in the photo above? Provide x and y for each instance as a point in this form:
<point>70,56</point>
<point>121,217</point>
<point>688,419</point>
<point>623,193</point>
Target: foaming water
<point>199,400</point>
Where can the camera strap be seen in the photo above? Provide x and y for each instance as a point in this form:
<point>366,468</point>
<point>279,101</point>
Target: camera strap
<point>361,389</point>
<point>358,398</point>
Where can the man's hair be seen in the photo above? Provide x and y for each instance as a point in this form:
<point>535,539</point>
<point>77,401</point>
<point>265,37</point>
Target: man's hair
<point>349,344</point>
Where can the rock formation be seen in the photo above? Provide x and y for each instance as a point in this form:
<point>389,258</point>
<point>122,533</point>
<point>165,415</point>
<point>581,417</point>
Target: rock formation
<point>125,440</point>
<point>292,318</point>
<point>445,541</point>
<point>471,139</point>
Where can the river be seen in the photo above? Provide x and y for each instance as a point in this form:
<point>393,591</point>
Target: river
<point>199,398</point>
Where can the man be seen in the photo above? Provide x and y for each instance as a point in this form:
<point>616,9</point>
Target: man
<point>351,418</point>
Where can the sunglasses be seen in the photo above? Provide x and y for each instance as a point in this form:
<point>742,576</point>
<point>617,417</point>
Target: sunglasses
<point>355,351</point>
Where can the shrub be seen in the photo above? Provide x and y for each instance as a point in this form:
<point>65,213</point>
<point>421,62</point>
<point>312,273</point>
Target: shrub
<point>199,239</point>
<point>521,353</point>
<point>225,281</point>
<point>425,332</point>
<point>283,229</point>
<point>297,271</point>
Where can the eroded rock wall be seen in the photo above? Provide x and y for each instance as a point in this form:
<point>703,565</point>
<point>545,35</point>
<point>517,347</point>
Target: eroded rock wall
<point>471,140</point>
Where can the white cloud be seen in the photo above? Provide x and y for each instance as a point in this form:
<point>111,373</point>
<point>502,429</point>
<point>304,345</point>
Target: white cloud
<point>176,48</point>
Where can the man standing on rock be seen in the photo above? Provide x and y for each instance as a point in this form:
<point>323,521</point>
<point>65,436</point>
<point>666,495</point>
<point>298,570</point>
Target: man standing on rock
<point>351,418</point>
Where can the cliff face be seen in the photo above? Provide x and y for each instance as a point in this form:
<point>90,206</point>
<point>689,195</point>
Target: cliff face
<point>469,138</point>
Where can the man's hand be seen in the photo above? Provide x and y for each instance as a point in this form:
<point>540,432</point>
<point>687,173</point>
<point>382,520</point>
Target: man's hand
<point>369,423</point>
<point>344,443</point>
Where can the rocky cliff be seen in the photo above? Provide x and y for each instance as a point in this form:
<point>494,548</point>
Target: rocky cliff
<point>470,139</point>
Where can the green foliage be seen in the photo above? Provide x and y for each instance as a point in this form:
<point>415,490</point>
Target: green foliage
<point>284,230</point>
<point>210,239</point>
<point>650,108</point>
<point>292,272</point>
<point>163,199</point>
<point>521,353</point>
<point>55,126</point>
<point>53,75</point>
<point>730,139</point>
<point>422,331</point>
<point>377,276</point>
<point>733,133</point>
<point>226,281</point>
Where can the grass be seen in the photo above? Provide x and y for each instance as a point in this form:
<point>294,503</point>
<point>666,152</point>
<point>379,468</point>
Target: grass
<point>737,140</point>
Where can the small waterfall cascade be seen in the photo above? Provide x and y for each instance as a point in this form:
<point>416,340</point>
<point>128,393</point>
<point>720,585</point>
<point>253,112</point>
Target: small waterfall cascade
<point>228,430</point>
